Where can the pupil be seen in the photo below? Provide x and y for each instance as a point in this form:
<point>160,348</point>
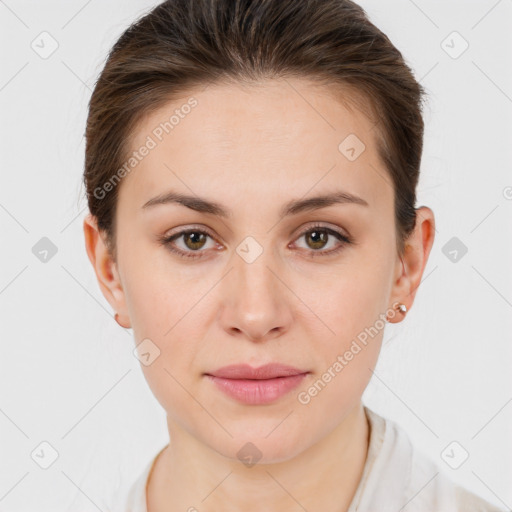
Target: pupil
<point>321,238</point>
<point>194,239</point>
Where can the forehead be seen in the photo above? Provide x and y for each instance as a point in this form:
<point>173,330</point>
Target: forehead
<point>286,136</point>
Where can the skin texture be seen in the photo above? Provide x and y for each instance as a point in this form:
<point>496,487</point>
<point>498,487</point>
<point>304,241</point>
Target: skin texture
<point>252,149</point>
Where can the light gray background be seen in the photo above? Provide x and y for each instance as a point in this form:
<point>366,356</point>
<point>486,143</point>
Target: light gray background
<point>67,372</point>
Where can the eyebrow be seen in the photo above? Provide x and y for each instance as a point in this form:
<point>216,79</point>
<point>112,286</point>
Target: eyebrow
<point>293,207</point>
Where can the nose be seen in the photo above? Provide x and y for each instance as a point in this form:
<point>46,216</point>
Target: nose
<point>256,302</point>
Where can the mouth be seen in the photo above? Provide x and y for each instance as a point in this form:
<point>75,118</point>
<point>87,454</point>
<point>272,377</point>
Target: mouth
<point>257,386</point>
<point>267,371</point>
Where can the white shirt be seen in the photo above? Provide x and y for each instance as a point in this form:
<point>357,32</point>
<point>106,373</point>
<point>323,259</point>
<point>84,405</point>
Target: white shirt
<point>396,478</point>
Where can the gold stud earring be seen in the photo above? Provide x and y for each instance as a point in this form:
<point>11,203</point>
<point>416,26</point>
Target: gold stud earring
<point>402,308</point>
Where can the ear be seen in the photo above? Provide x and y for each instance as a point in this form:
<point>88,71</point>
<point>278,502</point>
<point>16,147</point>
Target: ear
<point>410,266</point>
<point>106,269</point>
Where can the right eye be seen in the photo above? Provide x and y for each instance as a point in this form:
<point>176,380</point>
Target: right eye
<point>193,239</point>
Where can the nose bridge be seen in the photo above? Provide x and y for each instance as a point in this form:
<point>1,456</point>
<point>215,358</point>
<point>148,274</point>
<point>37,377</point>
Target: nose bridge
<point>255,277</point>
<point>256,302</point>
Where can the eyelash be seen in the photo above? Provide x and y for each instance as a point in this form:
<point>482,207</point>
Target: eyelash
<point>167,241</point>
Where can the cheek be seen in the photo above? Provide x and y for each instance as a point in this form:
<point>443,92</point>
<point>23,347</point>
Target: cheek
<point>164,308</point>
<point>346,360</point>
<point>348,354</point>
<point>326,399</point>
<point>149,302</point>
<point>163,322</point>
<point>150,284</point>
<point>352,299</point>
<point>352,309</point>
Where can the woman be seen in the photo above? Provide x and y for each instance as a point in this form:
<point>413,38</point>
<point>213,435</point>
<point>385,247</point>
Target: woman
<point>251,172</point>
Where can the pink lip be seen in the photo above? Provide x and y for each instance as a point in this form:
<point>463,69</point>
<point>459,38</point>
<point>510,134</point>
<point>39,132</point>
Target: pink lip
<point>257,386</point>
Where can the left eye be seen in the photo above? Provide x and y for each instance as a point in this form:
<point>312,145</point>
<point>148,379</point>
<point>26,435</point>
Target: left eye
<point>318,237</point>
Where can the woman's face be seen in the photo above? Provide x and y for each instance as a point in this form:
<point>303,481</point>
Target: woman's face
<point>268,280</point>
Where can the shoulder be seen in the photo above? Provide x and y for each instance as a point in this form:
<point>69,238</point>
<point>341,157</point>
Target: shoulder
<point>432,489</point>
<point>135,499</point>
<point>466,500</point>
<point>408,480</point>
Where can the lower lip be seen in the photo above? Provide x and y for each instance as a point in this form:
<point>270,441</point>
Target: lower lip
<point>257,392</point>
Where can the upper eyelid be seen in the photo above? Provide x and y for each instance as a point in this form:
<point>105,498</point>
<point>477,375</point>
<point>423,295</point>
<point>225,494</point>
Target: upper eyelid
<point>206,231</point>
<point>317,225</point>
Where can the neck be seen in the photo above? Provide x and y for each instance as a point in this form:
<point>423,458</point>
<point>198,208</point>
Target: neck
<point>188,475</point>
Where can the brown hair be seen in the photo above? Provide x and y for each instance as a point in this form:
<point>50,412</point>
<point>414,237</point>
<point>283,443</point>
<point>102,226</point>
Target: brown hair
<point>181,44</point>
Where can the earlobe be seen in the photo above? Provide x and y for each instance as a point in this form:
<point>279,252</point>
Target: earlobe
<point>105,269</point>
<point>398,307</point>
<point>121,322</point>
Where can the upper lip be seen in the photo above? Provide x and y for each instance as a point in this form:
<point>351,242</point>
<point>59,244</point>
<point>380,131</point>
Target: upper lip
<point>267,371</point>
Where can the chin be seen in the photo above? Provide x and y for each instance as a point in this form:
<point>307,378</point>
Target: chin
<point>255,448</point>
